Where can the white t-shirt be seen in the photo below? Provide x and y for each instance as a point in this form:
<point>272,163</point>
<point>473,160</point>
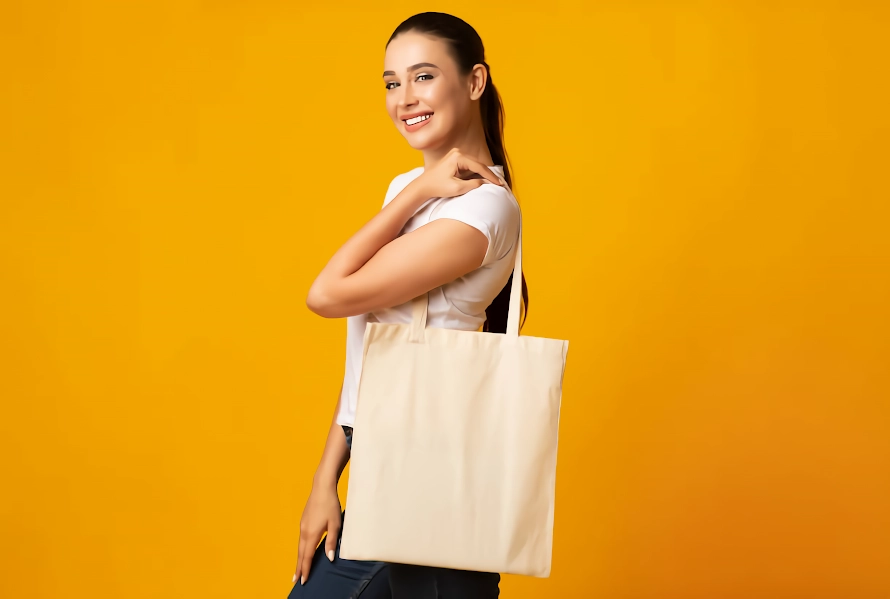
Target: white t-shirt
<point>461,303</point>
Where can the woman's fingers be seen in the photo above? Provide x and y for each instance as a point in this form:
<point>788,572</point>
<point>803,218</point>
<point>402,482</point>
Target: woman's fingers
<point>470,164</point>
<point>302,566</point>
<point>471,184</point>
<point>304,555</point>
<point>306,561</point>
<point>331,540</point>
<point>298,572</point>
<point>456,175</point>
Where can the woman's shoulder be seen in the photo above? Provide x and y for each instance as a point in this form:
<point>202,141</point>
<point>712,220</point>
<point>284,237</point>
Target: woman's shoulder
<point>491,209</point>
<point>493,200</point>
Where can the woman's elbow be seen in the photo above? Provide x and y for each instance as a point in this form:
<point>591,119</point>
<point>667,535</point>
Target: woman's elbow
<point>326,304</point>
<point>319,303</point>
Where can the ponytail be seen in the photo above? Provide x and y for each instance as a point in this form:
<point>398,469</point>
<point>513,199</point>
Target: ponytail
<point>493,119</point>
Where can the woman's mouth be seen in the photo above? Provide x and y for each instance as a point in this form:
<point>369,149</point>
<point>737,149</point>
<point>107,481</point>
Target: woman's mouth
<point>413,124</point>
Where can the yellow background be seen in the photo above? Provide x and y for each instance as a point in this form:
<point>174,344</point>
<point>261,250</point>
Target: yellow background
<point>705,192</point>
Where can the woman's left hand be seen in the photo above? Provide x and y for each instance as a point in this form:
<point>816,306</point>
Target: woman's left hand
<point>454,175</point>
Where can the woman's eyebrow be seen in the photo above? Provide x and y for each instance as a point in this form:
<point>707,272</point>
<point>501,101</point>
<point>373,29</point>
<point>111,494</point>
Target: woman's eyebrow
<point>414,67</point>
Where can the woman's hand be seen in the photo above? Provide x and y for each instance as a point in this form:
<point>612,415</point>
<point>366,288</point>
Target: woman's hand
<point>322,513</point>
<point>454,175</point>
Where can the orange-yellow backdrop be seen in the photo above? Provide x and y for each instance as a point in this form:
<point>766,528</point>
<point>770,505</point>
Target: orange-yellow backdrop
<point>706,204</point>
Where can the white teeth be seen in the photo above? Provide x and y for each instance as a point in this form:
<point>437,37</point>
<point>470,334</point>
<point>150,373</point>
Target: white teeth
<point>417,119</point>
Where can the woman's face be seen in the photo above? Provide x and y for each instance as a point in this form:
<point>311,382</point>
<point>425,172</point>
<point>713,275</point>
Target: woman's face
<point>421,78</point>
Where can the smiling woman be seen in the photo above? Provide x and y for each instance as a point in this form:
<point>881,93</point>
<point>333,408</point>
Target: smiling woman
<point>448,229</point>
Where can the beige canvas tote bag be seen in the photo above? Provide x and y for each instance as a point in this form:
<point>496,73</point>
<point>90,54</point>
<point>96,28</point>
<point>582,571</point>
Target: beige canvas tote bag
<point>454,446</point>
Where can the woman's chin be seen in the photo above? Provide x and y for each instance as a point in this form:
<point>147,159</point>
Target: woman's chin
<point>420,142</point>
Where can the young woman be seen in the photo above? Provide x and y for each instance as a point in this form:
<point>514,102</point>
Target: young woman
<point>449,228</point>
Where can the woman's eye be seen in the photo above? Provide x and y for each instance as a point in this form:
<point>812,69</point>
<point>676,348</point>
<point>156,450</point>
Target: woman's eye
<point>419,76</point>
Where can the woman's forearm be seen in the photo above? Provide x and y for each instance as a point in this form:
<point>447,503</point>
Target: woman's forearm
<point>364,244</point>
<point>334,457</point>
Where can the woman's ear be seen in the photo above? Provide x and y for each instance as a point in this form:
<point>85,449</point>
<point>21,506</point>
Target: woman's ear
<point>478,81</point>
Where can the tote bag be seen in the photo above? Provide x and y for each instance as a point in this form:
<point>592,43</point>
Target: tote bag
<point>454,445</point>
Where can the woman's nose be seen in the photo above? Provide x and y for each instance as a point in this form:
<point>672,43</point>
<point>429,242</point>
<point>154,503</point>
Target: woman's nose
<point>408,98</point>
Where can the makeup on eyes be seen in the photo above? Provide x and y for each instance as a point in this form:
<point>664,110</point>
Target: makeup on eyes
<point>386,85</point>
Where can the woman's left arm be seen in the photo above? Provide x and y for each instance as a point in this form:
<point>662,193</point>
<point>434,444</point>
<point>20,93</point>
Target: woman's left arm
<point>376,268</point>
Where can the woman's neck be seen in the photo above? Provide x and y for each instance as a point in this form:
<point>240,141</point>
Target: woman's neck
<point>471,144</point>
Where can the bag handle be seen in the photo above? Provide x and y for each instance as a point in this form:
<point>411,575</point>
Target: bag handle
<point>420,304</point>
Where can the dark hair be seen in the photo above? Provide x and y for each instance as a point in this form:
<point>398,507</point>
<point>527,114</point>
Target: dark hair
<point>466,47</point>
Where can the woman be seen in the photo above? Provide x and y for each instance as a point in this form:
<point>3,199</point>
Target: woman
<point>449,228</point>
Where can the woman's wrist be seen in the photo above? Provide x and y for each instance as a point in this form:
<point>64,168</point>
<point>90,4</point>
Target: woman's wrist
<point>414,194</point>
<point>325,480</point>
<point>327,476</point>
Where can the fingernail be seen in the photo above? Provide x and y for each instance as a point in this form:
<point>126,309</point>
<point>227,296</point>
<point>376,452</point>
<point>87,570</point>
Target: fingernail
<point>303,579</point>
<point>295,577</point>
<point>331,554</point>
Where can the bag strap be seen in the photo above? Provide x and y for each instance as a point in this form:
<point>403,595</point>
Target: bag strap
<point>516,288</point>
<point>420,304</point>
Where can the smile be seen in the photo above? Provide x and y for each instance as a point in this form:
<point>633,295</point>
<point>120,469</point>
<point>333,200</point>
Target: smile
<point>417,122</point>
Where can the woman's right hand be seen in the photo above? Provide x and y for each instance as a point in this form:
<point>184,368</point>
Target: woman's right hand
<point>454,175</point>
<point>321,514</point>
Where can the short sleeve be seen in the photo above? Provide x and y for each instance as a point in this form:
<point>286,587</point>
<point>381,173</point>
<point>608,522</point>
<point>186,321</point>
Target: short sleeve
<point>390,192</point>
<point>490,209</point>
<point>396,186</point>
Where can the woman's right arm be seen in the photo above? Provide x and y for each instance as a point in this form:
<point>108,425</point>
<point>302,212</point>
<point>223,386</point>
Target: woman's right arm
<point>322,511</point>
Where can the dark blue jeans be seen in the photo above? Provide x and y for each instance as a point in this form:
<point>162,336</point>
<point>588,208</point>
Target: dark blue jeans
<point>350,579</point>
